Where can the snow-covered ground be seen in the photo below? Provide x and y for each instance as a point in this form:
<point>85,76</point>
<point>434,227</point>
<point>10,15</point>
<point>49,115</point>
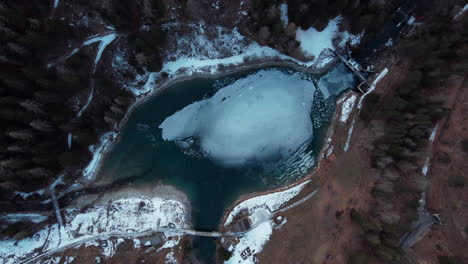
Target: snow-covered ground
<point>262,207</point>
<point>347,107</point>
<point>260,210</point>
<point>259,118</point>
<point>314,42</point>
<point>137,213</point>
<point>250,244</point>
<point>207,49</point>
<point>27,195</point>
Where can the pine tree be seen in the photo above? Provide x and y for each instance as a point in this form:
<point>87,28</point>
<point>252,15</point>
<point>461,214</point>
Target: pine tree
<point>23,134</point>
<point>12,163</point>
<point>32,106</point>
<point>41,125</point>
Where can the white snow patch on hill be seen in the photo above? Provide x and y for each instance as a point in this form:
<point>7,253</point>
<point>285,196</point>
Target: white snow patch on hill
<point>264,204</point>
<point>347,107</point>
<point>314,42</point>
<point>284,14</point>
<point>131,214</point>
<point>263,116</point>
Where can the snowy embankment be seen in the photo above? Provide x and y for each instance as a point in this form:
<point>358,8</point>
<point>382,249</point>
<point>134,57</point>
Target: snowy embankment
<point>379,77</point>
<point>89,172</point>
<point>260,210</point>
<point>262,206</point>
<point>123,216</point>
<point>207,49</point>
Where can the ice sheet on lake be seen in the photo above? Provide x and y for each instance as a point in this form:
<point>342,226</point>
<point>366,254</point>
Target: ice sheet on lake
<point>336,81</point>
<point>262,117</point>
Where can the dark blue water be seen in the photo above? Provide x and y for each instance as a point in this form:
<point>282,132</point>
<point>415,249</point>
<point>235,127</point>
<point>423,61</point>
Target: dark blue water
<point>142,153</point>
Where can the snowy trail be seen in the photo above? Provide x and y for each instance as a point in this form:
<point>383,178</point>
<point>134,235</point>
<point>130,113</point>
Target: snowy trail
<point>56,205</point>
<point>424,171</point>
<point>104,42</point>
<point>381,75</point>
<point>90,98</point>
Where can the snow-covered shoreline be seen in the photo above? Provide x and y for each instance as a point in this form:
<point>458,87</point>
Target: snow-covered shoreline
<point>128,213</point>
<point>99,152</point>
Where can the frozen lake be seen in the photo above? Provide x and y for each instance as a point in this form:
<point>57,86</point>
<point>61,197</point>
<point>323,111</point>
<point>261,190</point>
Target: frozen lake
<point>217,139</point>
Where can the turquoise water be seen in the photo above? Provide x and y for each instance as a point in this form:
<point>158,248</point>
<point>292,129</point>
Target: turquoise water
<point>142,153</point>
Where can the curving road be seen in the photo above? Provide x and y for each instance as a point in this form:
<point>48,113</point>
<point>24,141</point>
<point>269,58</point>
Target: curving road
<point>105,236</point>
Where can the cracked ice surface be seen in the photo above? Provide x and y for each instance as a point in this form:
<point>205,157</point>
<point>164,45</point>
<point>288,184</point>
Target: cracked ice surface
<point>263,117</point>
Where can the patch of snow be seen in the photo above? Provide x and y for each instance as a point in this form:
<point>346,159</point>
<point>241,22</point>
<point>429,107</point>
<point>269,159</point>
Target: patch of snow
<point>389,42</point>
<point>268,203</point>
<point>426,166</point>
<point>329,151</point>
<point>433,133</point>
<point>27,195</point>
<point>215,4</point>
<point>14,218</point>
<point>55,203</point>
<point>359,106</point>
<point>347,107</point>
<point>69,140</point>
<point>460,13</point>
<point>251,244</point>
<point>110,246</point>
<point>97,151</point>
<point>170,259</point>
<point>314,42</point>
<point>104,41</point>
<point>283,221</point>
<point>90,98</point>
<point>284,14</point>
<point>170,243</point>
<point>136,243</point>
<point>262,116</point>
